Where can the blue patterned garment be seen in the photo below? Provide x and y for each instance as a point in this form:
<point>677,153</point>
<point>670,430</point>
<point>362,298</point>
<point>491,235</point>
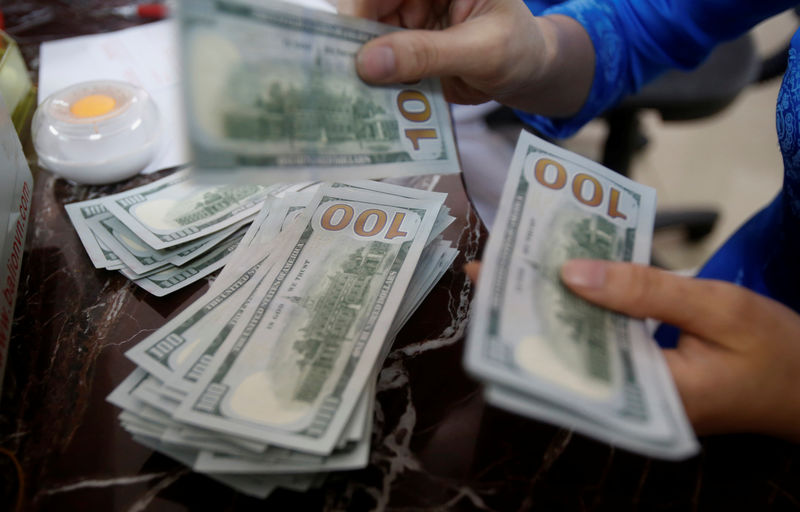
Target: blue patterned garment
<point>634,41</point>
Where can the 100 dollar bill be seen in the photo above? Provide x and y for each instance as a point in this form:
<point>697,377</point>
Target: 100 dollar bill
<point>176,209</point>
<point>537,343</point>
<point>292,373</point>
<point>273,95</point>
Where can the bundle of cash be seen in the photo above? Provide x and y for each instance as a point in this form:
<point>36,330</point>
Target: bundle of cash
<point>272,95</point>
<point>268,379</point>
<point>170,233</point>
<point>542,351</point>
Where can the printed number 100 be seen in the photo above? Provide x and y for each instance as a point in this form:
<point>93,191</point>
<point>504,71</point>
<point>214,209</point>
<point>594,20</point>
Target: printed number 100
<point>408,98</point>
<point>368,223</point>
<point>581,182</point>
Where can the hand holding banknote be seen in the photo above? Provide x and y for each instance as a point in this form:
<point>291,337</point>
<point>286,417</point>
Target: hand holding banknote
<point>737,353</point>
<point>482,50</point>
<point>292,108</point>
<point>541,351</point>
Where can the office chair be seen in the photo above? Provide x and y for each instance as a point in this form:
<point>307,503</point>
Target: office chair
<point>682,96</point>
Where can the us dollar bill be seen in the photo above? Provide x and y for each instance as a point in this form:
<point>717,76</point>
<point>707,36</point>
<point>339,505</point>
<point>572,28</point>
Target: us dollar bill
<point>353,456</point>
<point>176,209</point>
<point>142,259</point>
<point>178,352</point>
<point>190,370</point>
<point>176,277</point>
<point>195,327</point>
<point>314,301</point>
<point>259,486</point>
<point>261,237</point>
<point>352,450</point>
<point>292,373</point>
<point>273,95</point>
<point>541,349</point>
<point>81,214</point>
<point>283,212</point>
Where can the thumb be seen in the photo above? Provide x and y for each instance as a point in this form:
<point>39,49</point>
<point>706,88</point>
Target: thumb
<point>410,55</point>
<point>709,309</point>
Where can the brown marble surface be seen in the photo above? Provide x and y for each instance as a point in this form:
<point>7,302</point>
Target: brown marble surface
<point>435,445</point>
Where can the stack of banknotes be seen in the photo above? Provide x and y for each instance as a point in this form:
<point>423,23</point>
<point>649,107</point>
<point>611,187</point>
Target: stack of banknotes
<point>542,351</point>
<point>170,233</point>
<point>268,379</point>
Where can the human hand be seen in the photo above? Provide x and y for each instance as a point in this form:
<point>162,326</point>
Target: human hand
<point>482,50</point>
<point>737,363</point>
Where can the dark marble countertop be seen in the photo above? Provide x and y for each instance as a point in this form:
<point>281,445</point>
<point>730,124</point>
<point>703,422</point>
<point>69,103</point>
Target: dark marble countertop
<point>436,445</point>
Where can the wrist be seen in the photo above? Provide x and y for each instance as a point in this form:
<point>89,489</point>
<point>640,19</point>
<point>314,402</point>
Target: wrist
<point>564,70</point>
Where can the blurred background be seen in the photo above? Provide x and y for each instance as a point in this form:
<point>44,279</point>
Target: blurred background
<point>729,161</point>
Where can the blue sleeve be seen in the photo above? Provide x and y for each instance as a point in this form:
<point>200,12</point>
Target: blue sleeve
<point>635,40</point>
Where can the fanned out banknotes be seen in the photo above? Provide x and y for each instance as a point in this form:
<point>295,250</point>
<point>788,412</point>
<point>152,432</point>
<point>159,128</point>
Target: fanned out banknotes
<point>170,233</point>
<point>272,95</point>
<point>268,380</point>
<point>542,351</point>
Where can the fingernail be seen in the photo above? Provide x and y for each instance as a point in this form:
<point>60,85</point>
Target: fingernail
<point>584,273</point>
<point>376,63</point>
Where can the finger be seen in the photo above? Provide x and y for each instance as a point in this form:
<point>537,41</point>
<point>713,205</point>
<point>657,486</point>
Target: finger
<point>353,8</point>
<point>415,13</point>
<point>410,55</point>
<point>370,9</point>
<point>694,380</point>
<point>712,310</point>
<point>683,373</point>
<point>719,388</point>
<point>455,90</point>
<point>694,366</point>
<point>473,269</point>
